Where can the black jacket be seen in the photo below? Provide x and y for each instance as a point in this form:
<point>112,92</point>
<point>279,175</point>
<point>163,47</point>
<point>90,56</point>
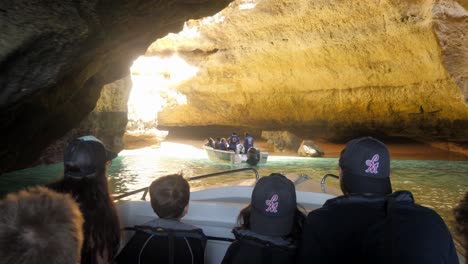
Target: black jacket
<point>164,241</point>
<point>250,247</point>
<point>361,228</point>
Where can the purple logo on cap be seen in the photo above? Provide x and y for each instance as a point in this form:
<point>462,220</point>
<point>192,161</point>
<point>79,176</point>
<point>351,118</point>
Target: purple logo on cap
<point>373,164</point>
<point>272,204</point>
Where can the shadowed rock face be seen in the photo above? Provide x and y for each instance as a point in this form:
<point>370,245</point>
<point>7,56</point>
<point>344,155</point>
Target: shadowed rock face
<point>334,67</point>
<point>55,56</point>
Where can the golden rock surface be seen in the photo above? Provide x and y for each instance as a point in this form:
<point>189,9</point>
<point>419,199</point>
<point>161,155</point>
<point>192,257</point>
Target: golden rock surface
<point>400,66</point>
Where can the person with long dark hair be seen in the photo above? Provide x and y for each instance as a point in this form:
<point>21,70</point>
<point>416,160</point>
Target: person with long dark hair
<point>85,163</point>
<point>270,226</point>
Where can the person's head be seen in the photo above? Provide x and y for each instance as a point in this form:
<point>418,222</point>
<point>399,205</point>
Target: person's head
<point>40,226</point>
<point>86,157</point>
<point>170,196</point>
<point>365,167</point>
<point>234,133</point>
<point>246,134</point>
<point>461,218</point>
<point>85,163</point>
<point>273,207</point>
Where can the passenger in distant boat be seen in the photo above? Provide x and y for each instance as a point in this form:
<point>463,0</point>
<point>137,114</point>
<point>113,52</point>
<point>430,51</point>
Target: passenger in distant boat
<point>369,223</point>
<point>223,145</point>
<point>40,226</point>
<point>166,239</point>
<point>217,143</point>
<point>248,141</point>
<point>210,142</point>
<point>233,140</point>
<point>461,218</point>
<point>240,149</point>
<point>270,226</point>
<point>85,164</point>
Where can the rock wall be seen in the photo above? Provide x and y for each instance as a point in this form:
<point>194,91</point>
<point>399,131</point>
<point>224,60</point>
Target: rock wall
<point>335,67</point>
<point>55,56</point>
<point>108,122</point>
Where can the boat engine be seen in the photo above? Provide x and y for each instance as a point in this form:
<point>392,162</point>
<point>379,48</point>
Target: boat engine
<point>253,156</point>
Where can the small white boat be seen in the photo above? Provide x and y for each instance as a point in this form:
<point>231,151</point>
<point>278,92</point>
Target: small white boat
<point>232,157</point>
<point>215,210</point>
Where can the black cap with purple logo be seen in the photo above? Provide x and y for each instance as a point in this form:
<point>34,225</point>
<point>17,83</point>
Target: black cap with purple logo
<point>365,163</point>
<point>273,206</point>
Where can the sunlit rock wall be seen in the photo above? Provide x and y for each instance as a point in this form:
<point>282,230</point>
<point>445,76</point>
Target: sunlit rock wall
<point>395,67</point>
<point>55,57</point>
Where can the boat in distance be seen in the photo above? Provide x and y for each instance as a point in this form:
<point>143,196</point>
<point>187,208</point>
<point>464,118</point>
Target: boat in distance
<point>253,156</point>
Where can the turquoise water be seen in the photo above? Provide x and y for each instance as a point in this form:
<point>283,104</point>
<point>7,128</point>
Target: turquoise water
<point>435,184</point>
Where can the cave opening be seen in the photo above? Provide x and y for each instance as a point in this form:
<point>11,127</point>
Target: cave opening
<point>152,80</point>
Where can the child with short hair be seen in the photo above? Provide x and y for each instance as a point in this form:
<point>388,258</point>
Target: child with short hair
<point>170,197</point>
<point>166,239</point>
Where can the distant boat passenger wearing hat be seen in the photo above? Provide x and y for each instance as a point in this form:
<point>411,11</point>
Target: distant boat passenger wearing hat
<point>85,164</point>
<point>270,226</point>
<point>369,223</point>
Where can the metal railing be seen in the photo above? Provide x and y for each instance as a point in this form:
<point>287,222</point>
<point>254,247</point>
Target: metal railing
<point>322,182</point>
<point>145,189</point>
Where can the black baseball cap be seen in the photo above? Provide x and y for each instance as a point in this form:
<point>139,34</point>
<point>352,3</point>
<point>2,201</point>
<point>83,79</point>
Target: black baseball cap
<point>365,164</point>
<point>273,206</point>
<point>85,156</point>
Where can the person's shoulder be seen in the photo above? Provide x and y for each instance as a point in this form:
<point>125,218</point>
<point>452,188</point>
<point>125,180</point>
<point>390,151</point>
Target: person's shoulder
<point>186,226</point>
<point>429,214</point>
<point>324,212</point>
<point>172,224</point>
<point>344,205</point>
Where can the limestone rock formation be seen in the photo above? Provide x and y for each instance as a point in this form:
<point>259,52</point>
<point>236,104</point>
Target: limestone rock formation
<point>309,148</point>
<point>55,56</point>
<point>332,67</point>
<point>282,140</point>
<point>108,122</point>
